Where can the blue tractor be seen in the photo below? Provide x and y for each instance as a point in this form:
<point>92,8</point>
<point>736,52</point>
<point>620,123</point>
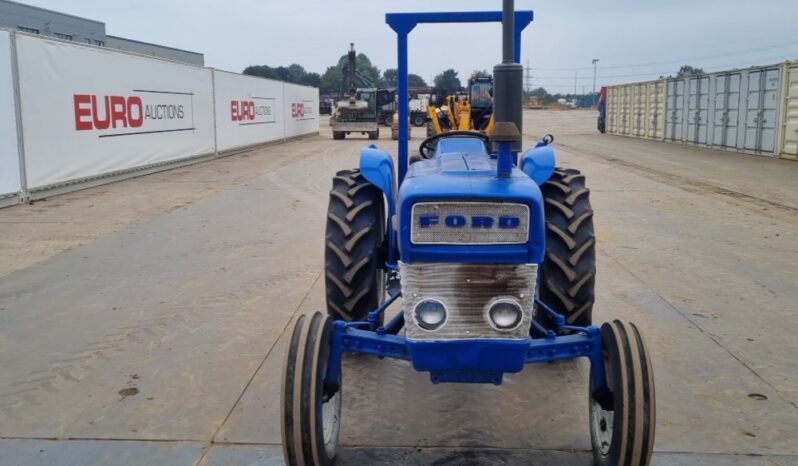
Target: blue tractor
<point>492,251</point>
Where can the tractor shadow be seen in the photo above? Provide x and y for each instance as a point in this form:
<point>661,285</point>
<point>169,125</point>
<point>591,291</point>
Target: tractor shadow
<point>451,457</point>
<point>395,415</point>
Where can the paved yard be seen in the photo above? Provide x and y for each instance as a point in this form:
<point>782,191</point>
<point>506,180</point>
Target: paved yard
<point>143,322</point>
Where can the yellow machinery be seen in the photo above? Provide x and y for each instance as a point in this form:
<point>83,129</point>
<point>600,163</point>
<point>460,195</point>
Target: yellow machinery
<point>471,110</point>
<point>395,128</point>
<point>454,114</point>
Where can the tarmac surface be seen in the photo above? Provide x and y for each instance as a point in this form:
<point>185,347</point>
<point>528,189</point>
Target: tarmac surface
<point>143,322</point>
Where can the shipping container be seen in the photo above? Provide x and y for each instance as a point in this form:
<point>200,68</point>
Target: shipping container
<point>736,110</point>
<point>626,109</point>
<point>655,109</point>
<point>613,110</point>
<point>675,110</point>
<point>761,110</point>
<point>753,110</point>
<point>637,105</point>
<point>789,113</point>
<point>697,109</point>
<point>637,109</point>
<point>726,109</point>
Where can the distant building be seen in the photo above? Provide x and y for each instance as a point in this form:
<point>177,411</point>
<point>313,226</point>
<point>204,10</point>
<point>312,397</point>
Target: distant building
<point>146,48</point>
<point>35,20</point>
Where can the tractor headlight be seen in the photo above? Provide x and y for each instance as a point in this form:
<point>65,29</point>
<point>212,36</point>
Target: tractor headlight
<point>430,314</point>
<point>505,314</point>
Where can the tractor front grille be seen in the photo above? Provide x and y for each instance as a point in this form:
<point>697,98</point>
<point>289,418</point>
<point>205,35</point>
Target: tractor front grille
<point>466,291</point>
<point>470,223</point>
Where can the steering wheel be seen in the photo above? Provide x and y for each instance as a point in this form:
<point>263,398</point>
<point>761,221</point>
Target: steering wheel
<point>427,146</point>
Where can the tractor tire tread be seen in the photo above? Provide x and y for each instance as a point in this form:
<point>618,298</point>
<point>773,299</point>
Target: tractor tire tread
<point>569,269</point>
<point>355,226</point>
<point>634,398</point>
<point>287,400</point>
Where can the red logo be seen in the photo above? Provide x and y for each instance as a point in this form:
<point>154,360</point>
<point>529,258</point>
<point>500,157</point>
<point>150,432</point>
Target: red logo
<point>298,110</point>
<point>112,111</point>
<point>241,110</point>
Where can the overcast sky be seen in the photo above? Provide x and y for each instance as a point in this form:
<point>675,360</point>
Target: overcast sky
<point>633,39</point>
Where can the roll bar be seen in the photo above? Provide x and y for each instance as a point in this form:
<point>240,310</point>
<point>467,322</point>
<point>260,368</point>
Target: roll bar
<point>404,23</point>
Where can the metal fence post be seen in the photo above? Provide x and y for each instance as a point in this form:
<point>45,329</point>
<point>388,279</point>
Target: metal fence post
<point>23,177</point>
<point>213,96</point>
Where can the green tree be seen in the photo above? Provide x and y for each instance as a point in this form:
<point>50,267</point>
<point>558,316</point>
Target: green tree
<point>389,79</point>
<point>292,74</point>
<point>480,74</point>
<point>414,80</point>
<point>262,71</point>
<point>311,79</point>
<point>331,81</point>
<point>296,73</point>
<point>541,94</point>
<point>364,66</point>
<point>448,81</point>
<point>688,70</point>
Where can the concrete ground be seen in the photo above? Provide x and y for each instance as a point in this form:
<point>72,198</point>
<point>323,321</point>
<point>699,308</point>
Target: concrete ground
<point>143,322</point>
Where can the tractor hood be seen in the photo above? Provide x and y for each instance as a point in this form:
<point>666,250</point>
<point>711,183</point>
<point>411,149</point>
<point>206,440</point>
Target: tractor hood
<point>453,208</point>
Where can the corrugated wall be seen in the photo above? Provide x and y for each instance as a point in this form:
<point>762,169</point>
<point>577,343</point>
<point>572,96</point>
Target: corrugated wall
<point>753,110</point>
<point>789,114</point>
<point>637,109</point>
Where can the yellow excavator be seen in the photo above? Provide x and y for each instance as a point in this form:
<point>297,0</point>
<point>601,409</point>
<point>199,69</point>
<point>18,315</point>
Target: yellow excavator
<point>472,110</point>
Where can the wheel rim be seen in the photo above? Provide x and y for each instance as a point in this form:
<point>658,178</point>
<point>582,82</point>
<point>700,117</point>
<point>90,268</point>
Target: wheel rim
<point>331,423</point>
<point>601,423</point>
<point>601,420</point>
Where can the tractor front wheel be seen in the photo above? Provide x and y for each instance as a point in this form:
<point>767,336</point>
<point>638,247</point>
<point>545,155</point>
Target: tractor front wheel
<point>568,271</point>
<point>310,411</point>
<point>338,135</point>
<point>353,257</point>
<point>623,418</point>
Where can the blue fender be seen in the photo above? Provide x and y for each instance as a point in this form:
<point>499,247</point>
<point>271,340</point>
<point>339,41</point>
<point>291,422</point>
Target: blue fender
<point>539,163</point>
<point>377,167</point>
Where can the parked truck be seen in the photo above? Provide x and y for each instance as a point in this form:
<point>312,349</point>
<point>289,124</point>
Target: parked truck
<point>602,108</point>
<point>357,113</point>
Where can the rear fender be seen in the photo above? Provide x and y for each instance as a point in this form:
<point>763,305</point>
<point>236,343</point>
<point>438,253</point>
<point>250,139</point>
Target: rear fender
<point>539,163</point>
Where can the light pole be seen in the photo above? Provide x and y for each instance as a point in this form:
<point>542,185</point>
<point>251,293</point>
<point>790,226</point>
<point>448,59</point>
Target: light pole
<point>595,60</point>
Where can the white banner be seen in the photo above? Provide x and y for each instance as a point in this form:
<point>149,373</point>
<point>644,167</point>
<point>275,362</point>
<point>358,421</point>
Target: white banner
<point>88,111</point>
<point>301,110</point>
<point>249,110</point>
<point>9,154</point>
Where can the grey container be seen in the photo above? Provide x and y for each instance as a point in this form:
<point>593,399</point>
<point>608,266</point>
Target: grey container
<point>731,110</point>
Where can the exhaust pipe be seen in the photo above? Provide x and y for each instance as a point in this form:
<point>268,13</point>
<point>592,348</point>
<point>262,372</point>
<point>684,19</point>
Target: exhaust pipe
<point>507,92</point>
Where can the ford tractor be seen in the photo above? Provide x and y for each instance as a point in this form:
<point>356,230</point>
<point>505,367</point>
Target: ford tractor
<point>492,256</point>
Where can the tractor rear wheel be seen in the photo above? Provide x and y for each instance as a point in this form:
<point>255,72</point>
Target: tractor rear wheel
<point>568,272</point>
<point>310,409</point>
<point>374,134</point>
<point>623,418</point>
<point>353,256</point>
